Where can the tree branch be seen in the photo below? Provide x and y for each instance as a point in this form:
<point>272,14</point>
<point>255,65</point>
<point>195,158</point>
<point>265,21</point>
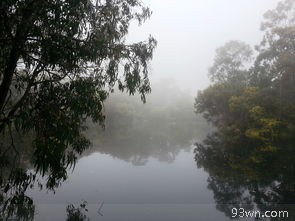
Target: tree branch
<point>11,113</point>
<point>18,41</point>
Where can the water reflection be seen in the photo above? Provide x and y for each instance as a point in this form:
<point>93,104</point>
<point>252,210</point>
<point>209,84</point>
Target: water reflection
<point>15,178</point>
<point>19,171</point>
<point>159,129</point>
<point>243,176</point>
<point>77,213</point>
<point>134,133</point>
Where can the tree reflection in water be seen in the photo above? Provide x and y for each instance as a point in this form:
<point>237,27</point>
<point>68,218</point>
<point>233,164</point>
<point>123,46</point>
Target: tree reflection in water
<point>15,178</point>
<point>238,180</point>
<point>18,173</point>
<point>161,128</point>
<point>77,213</point>
<point>133,133</point>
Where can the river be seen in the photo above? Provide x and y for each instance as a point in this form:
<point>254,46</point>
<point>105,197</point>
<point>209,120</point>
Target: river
<point>156,190</point>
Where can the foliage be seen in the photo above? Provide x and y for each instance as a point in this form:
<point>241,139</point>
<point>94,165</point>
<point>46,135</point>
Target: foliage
<point>230,62</point>
<point>213,102</point>
<point>58,61</point>
<point>259,108</point>
<point>250,155</point>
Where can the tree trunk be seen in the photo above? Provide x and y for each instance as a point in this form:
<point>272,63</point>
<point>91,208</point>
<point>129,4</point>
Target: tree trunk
<point>17,45</point>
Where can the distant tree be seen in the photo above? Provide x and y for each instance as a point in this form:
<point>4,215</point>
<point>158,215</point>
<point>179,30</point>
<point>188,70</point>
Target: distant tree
<point>231,62</point>
<point>161,128</point>
<point>58,60</point>
<point>230,74</point>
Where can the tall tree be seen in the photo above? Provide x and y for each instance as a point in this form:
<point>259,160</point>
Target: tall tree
<point>58,61</point>
<point>231,62</point>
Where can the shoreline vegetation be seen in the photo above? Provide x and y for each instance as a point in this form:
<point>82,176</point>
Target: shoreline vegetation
<point>251,103</point>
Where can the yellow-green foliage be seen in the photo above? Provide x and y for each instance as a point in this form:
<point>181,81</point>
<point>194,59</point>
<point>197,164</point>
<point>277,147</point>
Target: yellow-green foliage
<point>244,101</point>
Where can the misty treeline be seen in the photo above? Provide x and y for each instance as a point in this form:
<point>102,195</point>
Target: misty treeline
<point>160,128</point>
<point>251,103</point>
<point>253,97</point>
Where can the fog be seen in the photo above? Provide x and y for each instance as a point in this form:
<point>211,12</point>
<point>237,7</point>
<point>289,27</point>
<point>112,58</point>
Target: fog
<point>189,31</point>
<point>179,156</point>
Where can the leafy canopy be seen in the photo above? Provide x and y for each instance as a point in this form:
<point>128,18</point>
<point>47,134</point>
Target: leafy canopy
<point>58,62</point>
<point>250,155</point>
<point>258,97</point>
<point>230,62</point>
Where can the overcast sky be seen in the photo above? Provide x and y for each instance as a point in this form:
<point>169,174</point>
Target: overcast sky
<point>189,31</point>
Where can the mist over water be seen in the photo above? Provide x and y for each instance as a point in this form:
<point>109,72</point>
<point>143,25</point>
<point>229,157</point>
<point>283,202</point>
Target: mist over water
<point>215,133</point>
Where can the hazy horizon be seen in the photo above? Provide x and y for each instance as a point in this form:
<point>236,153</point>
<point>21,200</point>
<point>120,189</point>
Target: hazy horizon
<point>188,33</point>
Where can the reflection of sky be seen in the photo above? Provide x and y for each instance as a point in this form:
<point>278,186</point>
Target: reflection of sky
<point>100,177</point>
<point>141,212</point>
<point>160,128</point>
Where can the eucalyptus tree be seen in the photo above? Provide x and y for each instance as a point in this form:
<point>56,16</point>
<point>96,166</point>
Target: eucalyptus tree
<point>58,62</point>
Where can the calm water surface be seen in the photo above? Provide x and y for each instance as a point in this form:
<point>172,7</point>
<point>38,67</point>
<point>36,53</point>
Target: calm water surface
<point>158,189</point>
